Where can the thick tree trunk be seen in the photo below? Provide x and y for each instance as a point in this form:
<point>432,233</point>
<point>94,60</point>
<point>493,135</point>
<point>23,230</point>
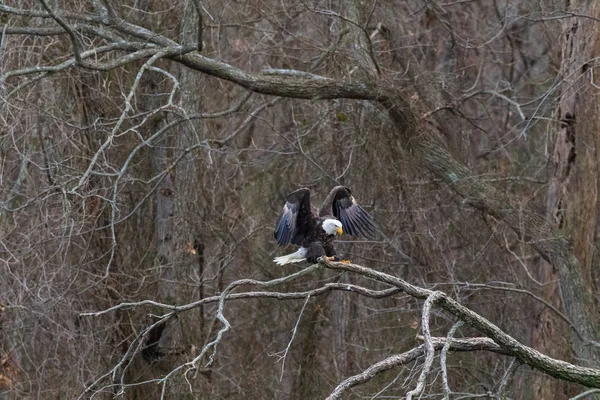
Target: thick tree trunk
<point>573,190</point>
<point>188,245</point>
<point>151,363</point>
<point>179,247</point>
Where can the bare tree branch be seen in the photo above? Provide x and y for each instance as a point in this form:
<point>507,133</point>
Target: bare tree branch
<point>508,375</point>
<point>282,355</point>
<point>444,356</point>
<point>376,294</point>
<point>472,344</point>
<point>559,369</point>
<point>585,394</point>
<point>429,347</point>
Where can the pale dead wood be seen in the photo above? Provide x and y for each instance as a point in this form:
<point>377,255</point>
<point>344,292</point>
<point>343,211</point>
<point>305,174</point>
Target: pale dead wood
<point>472,344</point>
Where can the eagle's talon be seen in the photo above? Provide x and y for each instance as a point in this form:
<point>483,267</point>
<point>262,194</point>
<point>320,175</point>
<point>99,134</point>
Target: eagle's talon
<point>346,261</point>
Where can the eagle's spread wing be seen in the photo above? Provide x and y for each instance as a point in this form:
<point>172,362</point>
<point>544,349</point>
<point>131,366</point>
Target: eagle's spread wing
<point>294,221</point>
<point>355,220</point>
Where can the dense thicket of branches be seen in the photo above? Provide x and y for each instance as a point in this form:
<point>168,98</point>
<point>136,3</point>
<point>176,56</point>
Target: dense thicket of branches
<point>147,146</point>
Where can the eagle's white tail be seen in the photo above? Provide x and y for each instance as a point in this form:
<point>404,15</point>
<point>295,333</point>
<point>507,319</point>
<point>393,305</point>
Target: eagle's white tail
<point>298,256</point>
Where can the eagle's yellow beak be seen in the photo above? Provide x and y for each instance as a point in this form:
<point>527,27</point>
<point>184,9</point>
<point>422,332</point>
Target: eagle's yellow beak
<point>340,231</point>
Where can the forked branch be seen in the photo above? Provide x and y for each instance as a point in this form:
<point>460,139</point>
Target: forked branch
<point>471,344</point>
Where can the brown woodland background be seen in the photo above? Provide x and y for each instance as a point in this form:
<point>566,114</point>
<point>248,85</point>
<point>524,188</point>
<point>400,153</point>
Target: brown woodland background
<point>158,178</point>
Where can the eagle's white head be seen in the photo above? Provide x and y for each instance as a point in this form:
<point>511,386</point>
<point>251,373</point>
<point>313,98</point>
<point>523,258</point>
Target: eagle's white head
<point>332,226</point>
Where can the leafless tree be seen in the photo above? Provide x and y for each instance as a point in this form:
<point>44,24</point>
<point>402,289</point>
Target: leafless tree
<point>146,146</point>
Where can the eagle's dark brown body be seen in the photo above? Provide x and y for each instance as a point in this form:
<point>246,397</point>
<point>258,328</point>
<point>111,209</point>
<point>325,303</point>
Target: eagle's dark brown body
<point>320,243</point>
<point>314,231</point>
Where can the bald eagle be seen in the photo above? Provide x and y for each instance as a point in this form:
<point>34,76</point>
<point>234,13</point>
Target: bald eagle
<point>315,231</point>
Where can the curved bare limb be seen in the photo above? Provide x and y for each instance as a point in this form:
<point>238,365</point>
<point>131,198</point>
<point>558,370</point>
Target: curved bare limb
<point>471,344</point>
<point>526,355</point>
